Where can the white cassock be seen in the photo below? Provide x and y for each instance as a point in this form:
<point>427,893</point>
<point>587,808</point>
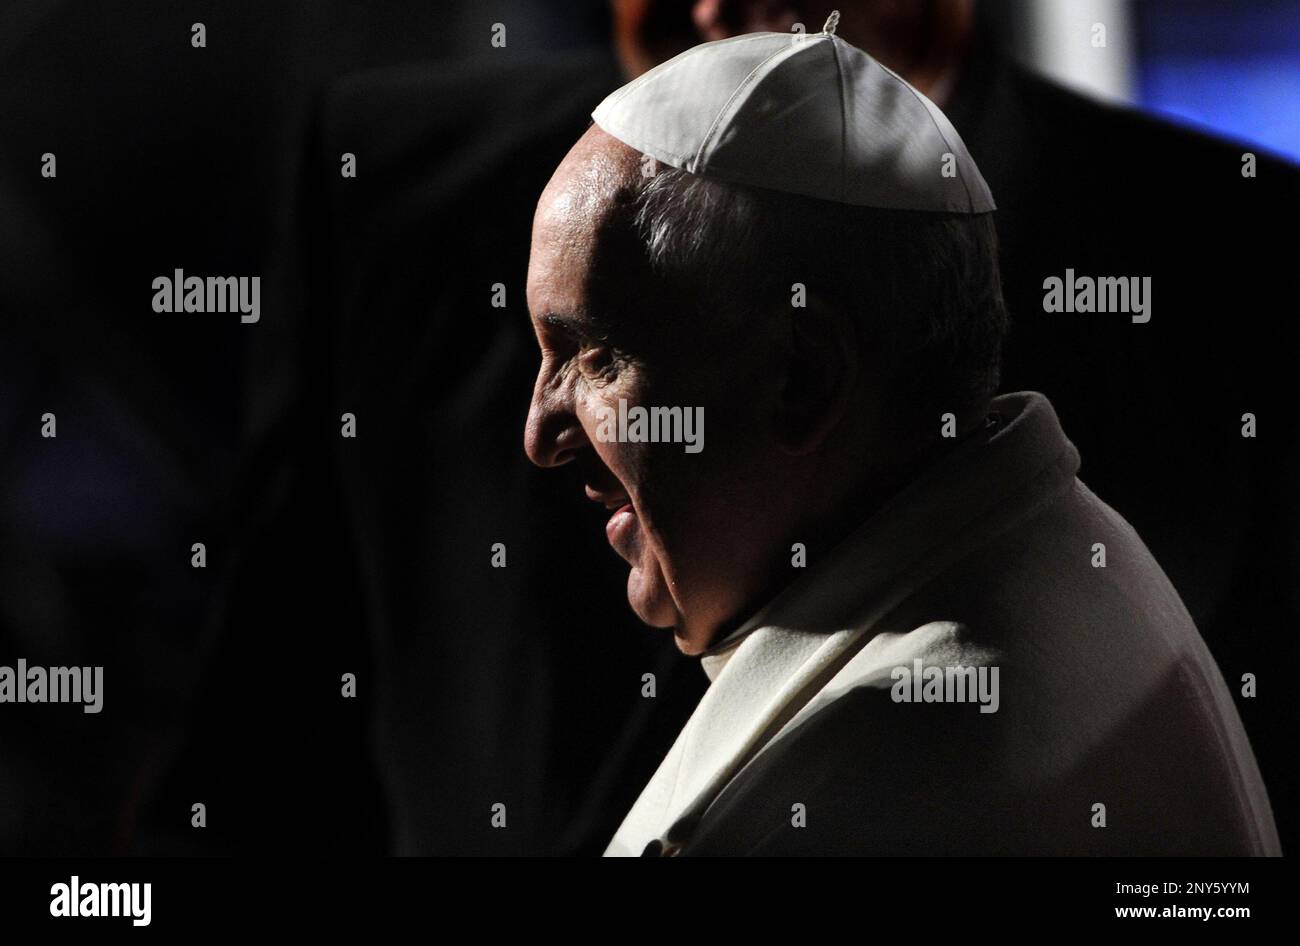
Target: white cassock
<point>1114,732</point>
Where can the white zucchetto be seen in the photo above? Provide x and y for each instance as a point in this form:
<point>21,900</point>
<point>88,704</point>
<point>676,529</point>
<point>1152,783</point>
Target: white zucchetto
<point>805,114</point>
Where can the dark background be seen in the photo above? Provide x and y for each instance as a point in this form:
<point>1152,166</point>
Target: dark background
<point>325,556</point>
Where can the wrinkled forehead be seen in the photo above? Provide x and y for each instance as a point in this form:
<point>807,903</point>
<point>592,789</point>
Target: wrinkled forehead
<point>590,191</point>
<point>598,174</point>
<point>583,239</point>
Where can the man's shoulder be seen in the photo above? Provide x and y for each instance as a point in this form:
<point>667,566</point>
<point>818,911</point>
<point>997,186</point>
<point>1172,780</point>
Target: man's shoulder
<point>987,757</point>
<point>995,724</point>
<point>516,98</point>
<point>471,143</point>
<point>1145,148</point>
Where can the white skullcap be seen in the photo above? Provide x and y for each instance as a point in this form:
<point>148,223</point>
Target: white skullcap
<point>807,114</point>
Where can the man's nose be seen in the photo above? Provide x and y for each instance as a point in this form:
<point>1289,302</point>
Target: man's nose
<point>552,436</point>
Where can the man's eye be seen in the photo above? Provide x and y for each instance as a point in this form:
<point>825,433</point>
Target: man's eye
<point>594,358</point>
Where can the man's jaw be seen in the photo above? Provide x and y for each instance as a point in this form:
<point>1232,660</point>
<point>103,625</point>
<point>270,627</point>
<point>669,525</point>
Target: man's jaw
<point>646,584</point>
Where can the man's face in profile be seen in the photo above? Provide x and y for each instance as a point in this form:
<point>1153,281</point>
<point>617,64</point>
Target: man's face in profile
<point>697,528</point>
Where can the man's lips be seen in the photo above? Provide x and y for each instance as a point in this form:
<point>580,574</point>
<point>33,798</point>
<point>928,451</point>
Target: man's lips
<point>622,524</point>
<point>610,501</point>
<point>620,527</point>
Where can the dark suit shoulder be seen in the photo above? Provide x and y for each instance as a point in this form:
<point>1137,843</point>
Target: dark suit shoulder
<point>1104,132</point>
<point>529,95</point>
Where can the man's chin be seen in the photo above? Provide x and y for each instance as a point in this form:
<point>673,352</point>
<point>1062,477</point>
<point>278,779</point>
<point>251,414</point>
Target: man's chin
<point>650,600</point>
<point>654,606</point>
<point>689,642</point>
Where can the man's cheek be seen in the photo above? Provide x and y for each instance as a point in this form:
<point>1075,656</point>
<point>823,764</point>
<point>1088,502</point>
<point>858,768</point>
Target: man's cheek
<point>606,426</point>
<point>602,431</point>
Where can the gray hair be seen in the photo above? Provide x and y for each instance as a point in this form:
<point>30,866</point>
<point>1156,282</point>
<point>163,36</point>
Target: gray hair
<point>923,287</point>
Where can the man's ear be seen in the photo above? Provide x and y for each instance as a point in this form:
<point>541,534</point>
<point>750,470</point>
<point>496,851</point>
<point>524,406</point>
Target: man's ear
<point>820,369</point>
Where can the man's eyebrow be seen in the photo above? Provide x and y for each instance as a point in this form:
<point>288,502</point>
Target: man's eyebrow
<point>565,323</point>
<point>571,325</point>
